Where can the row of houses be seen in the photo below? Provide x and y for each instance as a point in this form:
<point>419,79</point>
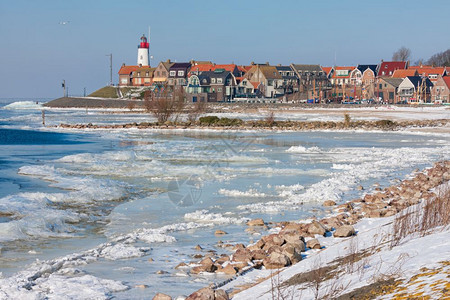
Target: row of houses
<point>389,81</point>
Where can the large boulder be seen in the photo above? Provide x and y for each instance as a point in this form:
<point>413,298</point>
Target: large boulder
<point>208,293</point>
<point>242,255</point>
<point>313,244</point>
<point>316,228</point>
<point>276,260</point>
<point>344,231</point>
<point>293,252</point>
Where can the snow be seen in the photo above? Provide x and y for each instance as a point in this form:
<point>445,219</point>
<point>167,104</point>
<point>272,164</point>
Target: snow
<point>404,260</point>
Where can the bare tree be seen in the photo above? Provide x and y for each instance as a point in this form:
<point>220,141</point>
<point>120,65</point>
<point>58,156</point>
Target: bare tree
<point>402,54</point>
<point>167,102</point>
<point>440,59</point>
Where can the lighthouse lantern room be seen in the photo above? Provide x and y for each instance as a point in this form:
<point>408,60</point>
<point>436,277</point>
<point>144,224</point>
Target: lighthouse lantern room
<point>143,52</point>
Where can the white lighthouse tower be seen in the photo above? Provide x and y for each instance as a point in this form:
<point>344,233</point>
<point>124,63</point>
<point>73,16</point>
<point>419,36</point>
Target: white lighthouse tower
<point>143,54</point>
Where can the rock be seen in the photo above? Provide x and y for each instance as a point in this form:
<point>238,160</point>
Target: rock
<point>344,231</point>
<point>292,252</point>
<point>374,213</point>
<point>238,246</point>
<point>228,269</point>
<point>222,259</point>
<point>197,256</point>
<point>242,255</point>
<point>316,228</point>
<point>198,248</point>
<point>208,264</point>
<point>258,254</point>
<point>206,293</point>
<point>221,295</point>
<point>144,286</point>
<point>161,296</point>
<point>329,203</point>
<point>161,272</point>
<point>360,188</point>
<point>220,232</point>
<point>313,244</point>
<point>181,265</point>
<point>276,260</point>
<point>256,222</point>
<point>150,259</point>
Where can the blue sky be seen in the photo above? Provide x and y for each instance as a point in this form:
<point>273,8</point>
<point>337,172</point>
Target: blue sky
<point>37,53</point>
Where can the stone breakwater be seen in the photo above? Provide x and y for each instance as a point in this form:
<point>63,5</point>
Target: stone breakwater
<point>285,248</point>
<point>237,124</point>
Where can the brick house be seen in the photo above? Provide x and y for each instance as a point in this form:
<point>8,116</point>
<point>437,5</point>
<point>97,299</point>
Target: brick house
<point>126,75</point>
<point>441,90</point>
<point>143,76</point>
<point>386,89</point>
<point>161,72</point>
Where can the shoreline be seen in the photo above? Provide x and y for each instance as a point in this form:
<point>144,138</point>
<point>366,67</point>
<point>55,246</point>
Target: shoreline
<point>441,125</point>
<point>280,251</point>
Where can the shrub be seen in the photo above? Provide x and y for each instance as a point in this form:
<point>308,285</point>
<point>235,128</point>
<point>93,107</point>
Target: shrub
<point>209,120</point>
<point>385,123</point>
<point>229,122</point>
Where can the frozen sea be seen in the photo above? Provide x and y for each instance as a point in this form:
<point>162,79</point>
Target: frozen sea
<point>97,213</point>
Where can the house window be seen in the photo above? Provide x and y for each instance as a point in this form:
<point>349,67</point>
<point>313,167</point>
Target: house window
<point>164,73</point>
<point>381,86</point>
<point>139,74</point>
<point>172,73</point>
<point>219,80</point>
<point>219,90</point>
<point>146,74</point>
<point>213,80</point>
<point>181,73</point>
<point>157,73</point>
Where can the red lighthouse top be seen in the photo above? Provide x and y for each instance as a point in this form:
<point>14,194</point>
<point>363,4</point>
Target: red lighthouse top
<point>144,43</point>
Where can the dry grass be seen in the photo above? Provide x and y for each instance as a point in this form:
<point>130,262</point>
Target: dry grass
<point>423,218</point>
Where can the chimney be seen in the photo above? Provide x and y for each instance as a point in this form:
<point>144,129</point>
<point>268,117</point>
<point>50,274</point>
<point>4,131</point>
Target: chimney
<point>168,61</point>
<point>252,63</point>
<point>267,63</point>
<point>123,65</point>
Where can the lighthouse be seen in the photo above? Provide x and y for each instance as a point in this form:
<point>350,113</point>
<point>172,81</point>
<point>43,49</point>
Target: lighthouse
<point>143,52</point>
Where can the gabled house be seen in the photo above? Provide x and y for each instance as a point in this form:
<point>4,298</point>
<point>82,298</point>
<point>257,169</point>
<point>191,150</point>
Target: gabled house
<point>440,93</point>
<point>143,76</point>
<point>328,71</point>
<point>415,89</point>
<point>369,73</point>
<point>269,78</point>
<point>178,74</point>
<point>162,72</point>
<point>126,75</point>
<point>341,76</point>
<point>212,86</point>
<point>247,88</point>
<point>387,68</point>
<point>387,89</point>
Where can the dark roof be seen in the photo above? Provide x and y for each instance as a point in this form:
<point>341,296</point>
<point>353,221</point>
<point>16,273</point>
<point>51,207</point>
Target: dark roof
<point>307,68</point>
<point>215,74</point>
<point>395,82</point>
<point>362,68</point>
<point>180,66</point>
<point>417,81</point>
<point>284,68</point>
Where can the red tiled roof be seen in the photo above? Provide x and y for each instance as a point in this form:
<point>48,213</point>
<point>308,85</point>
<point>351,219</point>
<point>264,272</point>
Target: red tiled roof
<point>447,80</point>
<point>327,70</point>
<point>350,69</point>
<point>418,67</point>
<point>402,73</point>
<point>127,70</point>
<point>255,84</point>
<point>387,68</point>
<point>229,67</point>
<point>202,68</point>
<point>431,70</point>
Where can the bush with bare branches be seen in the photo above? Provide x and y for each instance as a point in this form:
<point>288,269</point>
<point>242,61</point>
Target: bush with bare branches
<point>165,103</point>
<point>195,111</point>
